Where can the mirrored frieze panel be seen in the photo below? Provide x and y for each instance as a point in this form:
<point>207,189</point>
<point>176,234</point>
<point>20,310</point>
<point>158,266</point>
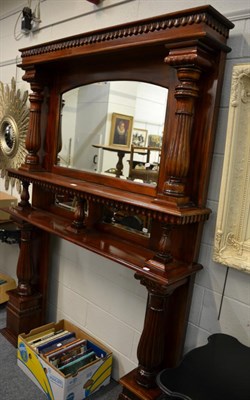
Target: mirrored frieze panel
<point>113,128</point>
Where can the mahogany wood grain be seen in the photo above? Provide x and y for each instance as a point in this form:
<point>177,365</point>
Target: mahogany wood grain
<point>184,52</point>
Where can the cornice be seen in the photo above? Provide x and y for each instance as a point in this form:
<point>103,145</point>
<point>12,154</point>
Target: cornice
<point>133,30</point>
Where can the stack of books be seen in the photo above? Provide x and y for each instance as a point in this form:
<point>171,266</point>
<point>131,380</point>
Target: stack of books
<point>63,349</point>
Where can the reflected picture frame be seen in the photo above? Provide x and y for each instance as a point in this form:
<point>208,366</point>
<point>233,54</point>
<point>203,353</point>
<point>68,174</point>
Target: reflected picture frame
<point>139,137</point>
<point>121,129</point>
<point>232,233</point>
<point>155,141</point>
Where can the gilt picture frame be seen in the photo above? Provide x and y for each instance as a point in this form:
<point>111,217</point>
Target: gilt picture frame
<point>232,234</point>
<point>121,129</point>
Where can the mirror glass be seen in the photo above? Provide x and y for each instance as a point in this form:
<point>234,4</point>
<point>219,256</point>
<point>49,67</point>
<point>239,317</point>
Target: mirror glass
<point>8,136</point>
<point>113,128</point>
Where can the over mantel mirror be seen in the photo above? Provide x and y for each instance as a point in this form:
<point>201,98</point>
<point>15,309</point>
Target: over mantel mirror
<point>148,80</point>
<point>114,128</point>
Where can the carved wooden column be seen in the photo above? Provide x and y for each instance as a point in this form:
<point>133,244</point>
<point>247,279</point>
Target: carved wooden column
<point>24,308</point>
<point>163,256</point>
<point>79,216</point>
<point>165,322</point>
<point>150,350</point>
<point>33,138</point>
<point>140,383</point>
<point>24,203</point>
<point>189,64</point>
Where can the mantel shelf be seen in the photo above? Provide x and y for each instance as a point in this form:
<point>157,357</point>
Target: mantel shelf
<point>163,210</point>
<point>130,255</point>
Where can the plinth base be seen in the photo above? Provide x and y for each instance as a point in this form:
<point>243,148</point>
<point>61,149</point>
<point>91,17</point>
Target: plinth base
<point>133,391</point>
<point>23,314</point>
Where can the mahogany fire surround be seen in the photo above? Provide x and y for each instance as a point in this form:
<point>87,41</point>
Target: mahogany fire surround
<point>185,52</point>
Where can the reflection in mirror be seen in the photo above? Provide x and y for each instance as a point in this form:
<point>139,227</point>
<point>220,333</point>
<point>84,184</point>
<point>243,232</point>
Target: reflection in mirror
<point>91,116</point>
<point>66,202</point>
<point>9,136</point>
<point>140,224</point>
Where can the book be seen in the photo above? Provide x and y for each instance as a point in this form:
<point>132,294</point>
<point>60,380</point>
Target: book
<point>65,349</point>
<point>40,336</point>
<point>59,357</point>
<point>73,366</point>
<point>47,339</point>
<point>60,348</point>
<point>69,360</point>
<point>56,343</point>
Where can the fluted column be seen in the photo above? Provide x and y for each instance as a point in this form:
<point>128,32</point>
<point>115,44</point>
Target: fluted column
<point>33,138</point>
<point>150,351</point>
<point>178,154</point>
<point>190,63</point>
<point>24,308</point>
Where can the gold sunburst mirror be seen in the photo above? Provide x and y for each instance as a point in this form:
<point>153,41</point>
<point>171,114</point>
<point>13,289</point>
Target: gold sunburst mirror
<point>14,120</point>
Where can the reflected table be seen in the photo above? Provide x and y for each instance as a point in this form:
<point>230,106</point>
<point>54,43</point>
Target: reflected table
<point>217,371</point>
<point>120,150</point>
<point>9,232</point>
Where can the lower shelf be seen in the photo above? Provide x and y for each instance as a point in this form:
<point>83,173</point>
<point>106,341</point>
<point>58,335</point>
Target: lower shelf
<point>130,255</point>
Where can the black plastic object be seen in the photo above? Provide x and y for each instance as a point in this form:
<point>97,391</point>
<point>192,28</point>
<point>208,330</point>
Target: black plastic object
<point>216,371</point>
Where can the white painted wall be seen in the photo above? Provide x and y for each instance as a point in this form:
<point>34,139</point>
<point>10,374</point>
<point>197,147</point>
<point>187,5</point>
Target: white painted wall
<point>101,296</point>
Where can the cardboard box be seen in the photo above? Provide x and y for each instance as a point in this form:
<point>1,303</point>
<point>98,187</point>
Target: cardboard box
<point>6,283</point>
<point>6,201</point>
<point>51,380</point>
